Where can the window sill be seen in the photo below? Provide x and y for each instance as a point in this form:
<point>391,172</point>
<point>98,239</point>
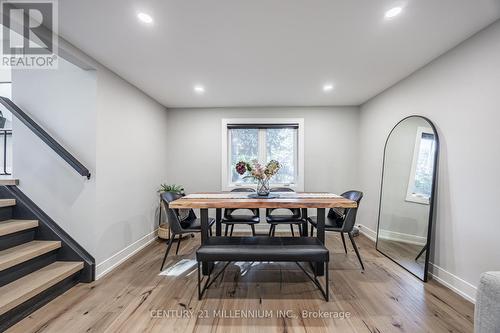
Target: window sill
<point>418,200</point>
<point>230,187</point>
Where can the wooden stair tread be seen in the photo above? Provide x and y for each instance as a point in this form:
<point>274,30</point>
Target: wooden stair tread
<point>9,182</point>
<point>21,290</point>
<point>7,202</point>
<point>24,252</point>
<point>12,226</point>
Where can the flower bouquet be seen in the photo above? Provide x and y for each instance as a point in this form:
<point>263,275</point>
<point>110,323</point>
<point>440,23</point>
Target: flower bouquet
<point>260,173</point>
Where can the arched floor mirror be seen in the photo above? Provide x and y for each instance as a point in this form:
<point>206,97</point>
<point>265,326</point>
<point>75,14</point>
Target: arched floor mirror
<point>407,195</point>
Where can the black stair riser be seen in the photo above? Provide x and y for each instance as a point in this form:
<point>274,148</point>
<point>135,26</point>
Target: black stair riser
<point>18,238</point>
<point>27,267</point>
<point>5,213</point>
<point>25,309</point>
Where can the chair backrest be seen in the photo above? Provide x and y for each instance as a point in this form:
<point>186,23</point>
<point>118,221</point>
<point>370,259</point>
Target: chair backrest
<point>173,219</point>
<point>295,211</point>
<point>282,189</point>
<point>350,213</point>
<point>229,211</point>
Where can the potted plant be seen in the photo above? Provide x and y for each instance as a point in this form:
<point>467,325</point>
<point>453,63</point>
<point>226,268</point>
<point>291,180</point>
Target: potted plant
<point>174,188</point>
<point>163,230</point>
<point>260,173</point>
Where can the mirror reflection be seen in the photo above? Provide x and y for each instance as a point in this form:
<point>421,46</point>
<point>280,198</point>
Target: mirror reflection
<point>406,194</point>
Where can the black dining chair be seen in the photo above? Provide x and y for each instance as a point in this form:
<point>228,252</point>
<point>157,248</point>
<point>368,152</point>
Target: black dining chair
<point>295,218</point>
<point>342,221</point>
<point>178,227</point>
<point>230,219</point>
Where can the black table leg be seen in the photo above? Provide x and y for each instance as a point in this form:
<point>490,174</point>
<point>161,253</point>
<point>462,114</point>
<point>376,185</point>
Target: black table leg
<point>207,267</point>
<point>305,232</point>
<point>218,224</point>
<point>320,269</point>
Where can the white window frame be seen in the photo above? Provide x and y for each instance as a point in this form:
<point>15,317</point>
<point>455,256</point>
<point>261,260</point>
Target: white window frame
<point>411,197</point>
<point>227,185</point>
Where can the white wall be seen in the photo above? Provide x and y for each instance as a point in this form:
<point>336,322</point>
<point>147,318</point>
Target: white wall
<point>330,146</point>
<point>6,91</point>
<point>330,134</point>
<point>132,162</point>
<point>63,102</point>
<point>115,130</point>
<point>460,93</point>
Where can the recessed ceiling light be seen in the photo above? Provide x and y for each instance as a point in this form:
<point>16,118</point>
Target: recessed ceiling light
<point>145,18</point>
<point>199,89</point>
<point>393,12</point>
<point>328,87</point>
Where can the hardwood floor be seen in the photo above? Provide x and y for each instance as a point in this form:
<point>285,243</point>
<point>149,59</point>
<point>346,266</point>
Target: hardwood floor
<point>134,298</point>
<point>405,254</point>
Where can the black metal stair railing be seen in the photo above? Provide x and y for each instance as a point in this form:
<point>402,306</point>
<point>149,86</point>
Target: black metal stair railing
<point>44,136</point>
<point>4,133</point>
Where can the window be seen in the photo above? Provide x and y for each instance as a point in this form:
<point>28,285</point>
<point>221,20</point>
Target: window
<point>422,169</point>
<point>244,145</point>
<point>263,140</point>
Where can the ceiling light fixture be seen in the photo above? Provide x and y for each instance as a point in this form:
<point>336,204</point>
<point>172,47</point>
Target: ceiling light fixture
<point>199,89</point>
<point>327,87</point>
<point>145,18</point>
<point>393,12</point>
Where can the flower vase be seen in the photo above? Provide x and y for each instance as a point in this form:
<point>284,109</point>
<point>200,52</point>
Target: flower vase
<point>263,188</point>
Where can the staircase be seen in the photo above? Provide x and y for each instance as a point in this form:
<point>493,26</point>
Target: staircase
<point>38,261</point>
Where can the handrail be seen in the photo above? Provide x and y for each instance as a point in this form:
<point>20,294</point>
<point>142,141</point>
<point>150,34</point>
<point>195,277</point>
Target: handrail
<point>42,134</point>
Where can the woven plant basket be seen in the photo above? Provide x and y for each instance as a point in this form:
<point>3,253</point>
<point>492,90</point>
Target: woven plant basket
<point>163,231</point>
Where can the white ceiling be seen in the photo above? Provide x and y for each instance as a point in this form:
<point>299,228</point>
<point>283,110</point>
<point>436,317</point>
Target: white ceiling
<point>268,52</point>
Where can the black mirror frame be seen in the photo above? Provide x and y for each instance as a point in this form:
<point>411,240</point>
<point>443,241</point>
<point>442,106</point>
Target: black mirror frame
<point>431,202</point>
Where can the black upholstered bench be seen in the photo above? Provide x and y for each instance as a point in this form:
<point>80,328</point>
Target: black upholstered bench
<point>262,248</point>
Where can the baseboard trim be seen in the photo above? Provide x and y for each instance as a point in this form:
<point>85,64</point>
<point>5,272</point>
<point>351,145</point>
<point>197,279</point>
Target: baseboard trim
<point>402,237</point>
<point>121,256</point>
<point>453,282</point>
<point>372,235</point>
<point>439,274</point>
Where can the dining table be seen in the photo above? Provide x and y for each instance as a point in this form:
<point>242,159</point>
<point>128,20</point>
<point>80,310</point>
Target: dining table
<point>238,200</point>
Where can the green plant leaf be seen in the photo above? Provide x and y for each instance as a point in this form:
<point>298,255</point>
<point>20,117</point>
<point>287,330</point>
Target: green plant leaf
<point>171,188</point>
